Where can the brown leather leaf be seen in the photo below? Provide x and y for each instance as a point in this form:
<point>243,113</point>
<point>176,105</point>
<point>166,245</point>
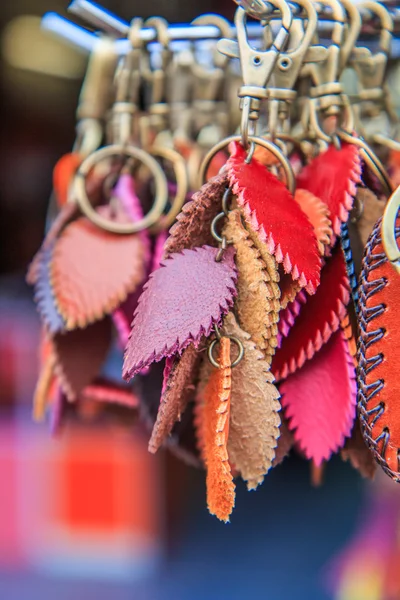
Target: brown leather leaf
<point>79,356</point>
<point>371,209</point>
<point>93,270</point>
<point>254,419</point>
<point>193,225</point>
<point>212,421</point>
<point>257,302</point>
<point>358,454</point>
<point>178,390</point>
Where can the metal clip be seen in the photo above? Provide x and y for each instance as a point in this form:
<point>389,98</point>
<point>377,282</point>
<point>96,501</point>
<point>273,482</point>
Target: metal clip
<point>127,82</point>
<point>256,65</point>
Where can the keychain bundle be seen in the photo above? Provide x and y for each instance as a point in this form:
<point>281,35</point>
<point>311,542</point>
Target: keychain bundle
<point>251,307</point>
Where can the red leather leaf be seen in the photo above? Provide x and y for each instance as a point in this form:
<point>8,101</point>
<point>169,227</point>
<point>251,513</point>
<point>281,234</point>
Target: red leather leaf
<point>288,315</point>
<point>320,400</point>
<point>79,356</point>
<point>44,295</point>
<point>93,271</point>
<point>332,177</point>
<point>319,317</point>
<point>180,304</point>
<point>278,219</point>
<point>63,173</point>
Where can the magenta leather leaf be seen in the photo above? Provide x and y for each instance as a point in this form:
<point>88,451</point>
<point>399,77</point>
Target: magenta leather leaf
<point>180,304</point>
<point>332,177</point>
<point>320,400</point>
<point>277,218</point>
<point>288,315</point>
<point>44,296</point>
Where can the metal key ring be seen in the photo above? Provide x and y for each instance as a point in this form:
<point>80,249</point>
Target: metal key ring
<point>388,228</point>
<point>182,185</point>
<point>161,191</point>
<point>233,339</point>
<point>289,175</point>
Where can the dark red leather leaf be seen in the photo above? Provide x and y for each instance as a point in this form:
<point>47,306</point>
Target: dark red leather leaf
<point>279,221</point>
<point>320,400</point>
<point>180,304</point>
<point>80,355</point>
<point>332,177</point>
<point>319,317</point>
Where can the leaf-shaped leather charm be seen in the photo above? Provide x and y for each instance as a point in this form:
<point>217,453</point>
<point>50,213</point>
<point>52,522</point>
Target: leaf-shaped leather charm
<point>67,213</point>
<point>213,408</point>
<point>254,420</point>
<point>110,392</point>
<point>318,215</point>
<point>348,257</point>
<point>319,317</point>
<point>332,177</point>
<point>178,390</point>
<point>371,209</point>
<point>257,301</point>
<point>180,303</point>
<point>358,454</point>
<point>93,270</point>
<point>288,315</point>
<point>347,329</point>
<point>193,225</point>
<point>378,354</point>
<point>43,386</point>
<point>285,442</point>
<point>320,400</point>
<point>63,173</point>
<point>79,356</point>
<point>279,221</point>
<point>44,295</point>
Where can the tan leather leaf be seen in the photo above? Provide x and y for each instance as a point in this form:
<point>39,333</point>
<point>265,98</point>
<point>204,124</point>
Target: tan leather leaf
<point>79,356</point>
<point>318,214</point>
<point>93,270</point>
<point>371,209</point>
<point>254,419</point>
<point>193,225</point>
<point>257,304</point>
<point>285,442</point>
<point>178,390</point>
<point>347,328</point>
<point>212,422</point>
<point>358,454</point>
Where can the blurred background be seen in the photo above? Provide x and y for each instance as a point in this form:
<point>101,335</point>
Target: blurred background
<point>91,514</point>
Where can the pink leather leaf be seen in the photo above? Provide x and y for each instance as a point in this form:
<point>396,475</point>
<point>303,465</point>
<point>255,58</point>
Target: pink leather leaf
<point>110,392</point>
<point>278,219</point>
<point>320,400</point>
<point>288,315</point>
<point>93,270</point>
<point>319,317</point>
<point>332,177</point>
<point>180,304</point>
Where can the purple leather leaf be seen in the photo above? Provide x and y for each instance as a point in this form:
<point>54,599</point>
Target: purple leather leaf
<point>158,251</point>
<point>44,296</point>
<point>180,304</point>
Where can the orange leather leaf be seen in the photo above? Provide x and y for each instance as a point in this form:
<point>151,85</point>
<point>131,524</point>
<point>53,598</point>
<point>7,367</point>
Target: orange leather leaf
<point>378,354</point>
<point>213,410</point>
<point>93,271</point>
<point>318,215</point>
<point>42,389</point>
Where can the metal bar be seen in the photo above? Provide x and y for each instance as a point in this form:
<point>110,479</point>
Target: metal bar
<point>98,17</point>
<point>68,32</point>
